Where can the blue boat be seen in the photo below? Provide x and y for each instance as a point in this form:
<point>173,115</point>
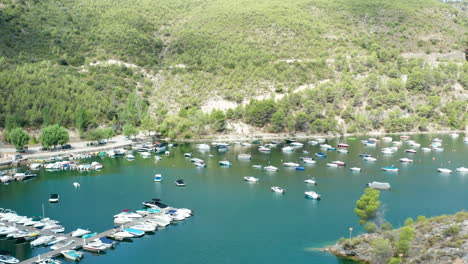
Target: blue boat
<point>331,148</point>
<point>390,168</point>
<point>320,154</point>
<point>89,235</point>
<point>135,232</point>
<point>300,168</point>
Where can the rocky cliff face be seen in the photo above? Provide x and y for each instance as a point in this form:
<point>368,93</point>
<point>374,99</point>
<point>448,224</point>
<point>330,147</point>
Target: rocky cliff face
<point>437,240</point>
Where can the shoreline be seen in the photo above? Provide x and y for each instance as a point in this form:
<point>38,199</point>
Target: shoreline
<point>118,143</point>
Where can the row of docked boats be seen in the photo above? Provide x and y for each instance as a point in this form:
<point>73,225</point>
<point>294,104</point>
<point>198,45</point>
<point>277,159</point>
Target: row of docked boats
<point>277,189</point>
<point>67,165</point>
<point>6,178</point>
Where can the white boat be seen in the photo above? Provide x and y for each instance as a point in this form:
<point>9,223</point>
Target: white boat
<point>309,161</point>
<point>312,195</point>
<point>157,157</point>
<point>8,259</point>
<point>410,151</point>
<point>277,189</point>
<point>250,179</point>
<point>145,155</point>
<point>35,166</point>
<point>187,155</point>
<point>76,185</point>
<point>287,149</point>
<point>390,169</point>
<point>264,149</point>
<point>342,150</point>
<point>414,144</point>
<point>5,230</point>
<point>62,244</point>
<point>369,158</point>
<point>145,227</point>
<point>157,177</point>
<point>270,168</point>
<point>426,149</point>
<point>257,166</point>
<point>443,170</point>
<point>127,213</point>
<point>387,151</point>
<point>95,247</point>
<point>195,160</point>
<point>325,146</point>
<point>167,153</point>
<point>332,165</point>
<point>72,254</point>
<point>180,183</point>
<point>313,142</point>
<point>41,240</point>
<point>388,139</point>
<point>291,164</point>
<point>406,160</point>
<point>462,169</point>
<point>56,240</point>
<point>80,232</point>
<point>339,163</point>
<point>225,163</point>
<point>355,169</point>
<point>129,157</point>
<point>123,220</point>
<point>438,149</point>
<point>121,235</point>
<point>296,144</point>
<point>203,146</point>
<point>246,144</point>
<point>54,198</point>
<point>379,185</point>
<point>314,182</point>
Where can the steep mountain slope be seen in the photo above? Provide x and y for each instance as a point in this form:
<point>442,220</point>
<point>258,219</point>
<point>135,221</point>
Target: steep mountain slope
<point>330,65</point>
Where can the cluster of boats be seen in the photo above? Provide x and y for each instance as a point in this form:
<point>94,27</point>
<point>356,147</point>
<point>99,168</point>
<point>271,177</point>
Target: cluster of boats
<point>9,216</point>
<point>18,176</point>
<point>67,165</point>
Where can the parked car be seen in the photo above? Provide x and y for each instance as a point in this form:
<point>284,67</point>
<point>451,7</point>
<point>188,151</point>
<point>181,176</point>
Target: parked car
<point>18,156</point>
<point>66,146</point>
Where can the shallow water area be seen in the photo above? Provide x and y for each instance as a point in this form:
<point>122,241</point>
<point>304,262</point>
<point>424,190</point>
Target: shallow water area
<point>242,222</point>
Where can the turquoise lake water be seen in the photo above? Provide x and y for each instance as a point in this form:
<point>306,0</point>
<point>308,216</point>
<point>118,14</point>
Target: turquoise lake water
<point>237,221</point>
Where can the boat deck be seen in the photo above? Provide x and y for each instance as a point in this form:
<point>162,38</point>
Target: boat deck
<point>78,241</point>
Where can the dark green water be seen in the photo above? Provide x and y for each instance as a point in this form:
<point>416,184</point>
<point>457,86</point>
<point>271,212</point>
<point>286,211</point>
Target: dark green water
<point>240,222</point>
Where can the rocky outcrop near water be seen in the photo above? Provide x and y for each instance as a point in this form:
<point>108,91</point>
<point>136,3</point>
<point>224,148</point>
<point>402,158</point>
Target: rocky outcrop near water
<point>437,240</point>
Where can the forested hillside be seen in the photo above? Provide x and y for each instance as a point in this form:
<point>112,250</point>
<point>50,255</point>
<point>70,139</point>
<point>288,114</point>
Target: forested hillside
<point>313,66</point>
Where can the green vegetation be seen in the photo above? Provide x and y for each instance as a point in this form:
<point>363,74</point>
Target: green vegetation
<point>406,238</point>
<point>381,250</point>
<point>18,137</point>
<point>153,65</point>
<point>53,136</point>
<point>367,205</point>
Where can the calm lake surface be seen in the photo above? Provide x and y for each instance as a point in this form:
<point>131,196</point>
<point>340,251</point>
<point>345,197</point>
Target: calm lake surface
<point>237,221</point>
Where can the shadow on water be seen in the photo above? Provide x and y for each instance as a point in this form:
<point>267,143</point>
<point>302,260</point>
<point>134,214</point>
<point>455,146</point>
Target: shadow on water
<point>21,250</point>
<point>348,261</point>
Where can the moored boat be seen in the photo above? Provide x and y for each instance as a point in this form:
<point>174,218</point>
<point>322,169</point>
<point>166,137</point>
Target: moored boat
<point>157,177</point>
<point>355,169</point>
<point>72,254</point>
<point>311,181</point>
<point>277,189</point>
<point>180,183</point>
<point>250,179</point>
<point>406,160</point>
<point>462,169</point>
<point>8,259</point>
<point>312,195</point>
<point>80,232</point>
<point>390,169</point>
<point>444,170</point>
<point>54,198</point>
<point>379,185</point>
<point>291,164</point>
<point>270,168</point>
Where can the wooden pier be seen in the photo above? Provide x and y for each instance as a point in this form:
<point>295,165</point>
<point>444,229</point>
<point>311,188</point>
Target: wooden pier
<point>78,244</point>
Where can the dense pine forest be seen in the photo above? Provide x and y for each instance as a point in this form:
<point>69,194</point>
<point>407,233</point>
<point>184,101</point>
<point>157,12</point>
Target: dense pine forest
<point>191,68</point>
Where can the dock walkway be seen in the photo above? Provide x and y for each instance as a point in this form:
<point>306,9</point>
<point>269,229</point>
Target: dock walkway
<point>78,244</point>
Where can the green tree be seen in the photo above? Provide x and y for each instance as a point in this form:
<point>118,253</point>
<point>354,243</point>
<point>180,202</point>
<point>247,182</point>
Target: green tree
<point>277,121</point>
<point>82,119</point>
<point>381,250</point>
<point>54,135</point>
<point>218,120</point>
<point>405,239</point>
<point>409,221</point>
<point>394,261</point>
<point>148,124</point>
<point>259,113</point>
<point>129,130</point>
<point>18,137</point>
<point>367,205</point>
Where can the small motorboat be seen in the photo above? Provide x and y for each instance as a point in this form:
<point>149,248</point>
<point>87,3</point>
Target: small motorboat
<point>120,220</point>
<point>365,155</point>
<point>145,227</point>
<point>127,213</point>
<point>313,142</point>
<point>370,159</point>
<point>321,155</point>
<point>342,150</point>
<point>48,261</point>
<point>312,195</point>
<point>134,232</point>
<point>225,163</point>
<point>200,164</point>
<point>296,144</point>
<point>130,157</point>
<point>406,160</point>
<point>72,254</point>
<point>387,151</point>
<point>41,240</point>
<point>426,149</point>
<point>343,145</point>
<point>462,169</point>
<point>187,155</point>
<point>339,163</point>
<point>94,247</point>
<point>180,183</point>
<point>89,235</point>
<point>120,235</point>
<point>390,169</point>
<point>355,169</point>
<point>8,259</point>
<point>314,182</point>
<point>250,179</point>
<point>80,232</point>
<point>264,149</point>
<point>309,161</point>
<point>62,244</point>
<point>257,166</point>
<point>438,149</point>
<point>379,185</point>
<point>443,170</point>
<point>277,189</point>
<point>56,240</point>
<point>270,168</point>
<point>300,168</point>
<point>54,198</point>
<point>287,149</point>
<point>404,137</point>
<point>76,185</point>
<point>157,177</point>
<point>410,151</point>
<point>332,165</point>
<point>157,157</point>
<point>291,164</point>
<point>325,146</point>
<point>106,242</point>
<point>387,139</point>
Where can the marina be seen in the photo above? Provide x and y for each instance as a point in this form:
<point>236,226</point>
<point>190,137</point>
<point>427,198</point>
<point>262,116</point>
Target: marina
<point>222,197</point>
